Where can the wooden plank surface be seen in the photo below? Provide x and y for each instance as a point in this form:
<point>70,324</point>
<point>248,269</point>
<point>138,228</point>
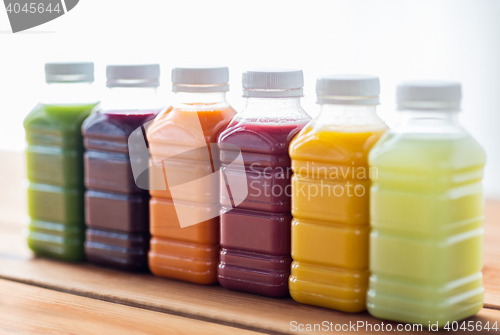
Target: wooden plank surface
<point>212,304</point>
<point>491,269</point>
<point>26,309</point>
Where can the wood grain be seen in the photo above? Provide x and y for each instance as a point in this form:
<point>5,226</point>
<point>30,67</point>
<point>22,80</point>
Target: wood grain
<point>491,269</point>
<point>212,303</point>
<point>26,309</point>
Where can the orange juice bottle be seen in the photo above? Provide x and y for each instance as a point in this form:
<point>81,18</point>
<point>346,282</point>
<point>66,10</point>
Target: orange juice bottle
<point>184,208</point>
<point>330,194</point>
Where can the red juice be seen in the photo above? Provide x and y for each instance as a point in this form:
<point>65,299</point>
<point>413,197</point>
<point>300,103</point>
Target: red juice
<point>117,213</point>
<point>255,234</point>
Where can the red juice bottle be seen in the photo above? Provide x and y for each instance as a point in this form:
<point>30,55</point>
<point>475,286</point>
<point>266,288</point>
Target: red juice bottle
<point>255,226</point>
<point>117,214</point>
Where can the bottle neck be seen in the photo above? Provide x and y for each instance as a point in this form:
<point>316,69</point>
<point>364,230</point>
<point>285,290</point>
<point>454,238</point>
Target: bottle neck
<point>273,109</point>
<point>346,116</point>
<point>131,98</point>
<point>436,122</point>
<point>138,92</point>
<point>425,116</point>
<point>69,94</point>
<point>274,105</point>
<point>197,99</point>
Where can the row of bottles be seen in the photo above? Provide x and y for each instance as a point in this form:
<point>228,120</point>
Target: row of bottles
<point>337,211</point>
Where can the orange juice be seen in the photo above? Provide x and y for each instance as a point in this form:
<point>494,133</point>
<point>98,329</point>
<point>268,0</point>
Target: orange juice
<point>330,205</point>
<point>184,220</point>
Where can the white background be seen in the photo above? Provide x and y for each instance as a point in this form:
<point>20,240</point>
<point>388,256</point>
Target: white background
<point>394,39</point>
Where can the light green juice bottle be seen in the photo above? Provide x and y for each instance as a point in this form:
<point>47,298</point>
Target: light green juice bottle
<point>55,162</point>
<point>426,212</point>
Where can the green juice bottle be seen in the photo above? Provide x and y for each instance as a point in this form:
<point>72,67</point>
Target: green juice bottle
<point>426,212</point>
<point>55,162</point>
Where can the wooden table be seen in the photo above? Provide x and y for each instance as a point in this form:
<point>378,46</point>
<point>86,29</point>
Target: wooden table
<point>41,296</point>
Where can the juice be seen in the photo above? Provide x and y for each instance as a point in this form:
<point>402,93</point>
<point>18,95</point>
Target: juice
<point>184,176</point>
<point>427,235</point>
<point>255,225</point>
<point>255,234</point>
<point>117,213</point>
<point>427,211</point>
<point>330,206</point>
<point>184,154</point>
<point>330,198</point>
<point>55,173</point>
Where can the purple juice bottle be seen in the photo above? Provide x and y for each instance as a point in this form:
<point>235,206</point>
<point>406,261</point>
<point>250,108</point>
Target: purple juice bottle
<point>117,210</point>
<point>255,231</point>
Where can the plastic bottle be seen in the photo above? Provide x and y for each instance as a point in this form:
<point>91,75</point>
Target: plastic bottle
<point>55,161</point>
<point>117,214</point>
<point>330,202</point>
<point>185,190</point>
<point>255,234</point>
<point>426,212</point>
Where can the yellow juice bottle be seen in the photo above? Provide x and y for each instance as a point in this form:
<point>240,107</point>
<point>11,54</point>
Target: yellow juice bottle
<point>426,212</point>
<point>330,194</point>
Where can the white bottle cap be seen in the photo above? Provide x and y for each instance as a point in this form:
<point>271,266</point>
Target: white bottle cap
<point>69,72</point>
<point>145,75</point>
<point>273,83</point>
<point>207,79</point>
<point>429,95</point>
<point>348,89</point>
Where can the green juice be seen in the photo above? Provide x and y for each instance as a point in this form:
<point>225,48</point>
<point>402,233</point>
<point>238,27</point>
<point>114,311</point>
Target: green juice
<point>427,238</point>
<point>55,173</point>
